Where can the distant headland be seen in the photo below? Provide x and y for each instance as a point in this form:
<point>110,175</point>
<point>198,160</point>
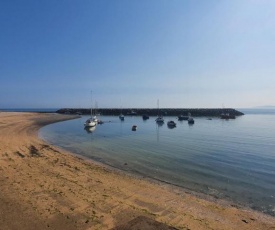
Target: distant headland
<point>198,112</point>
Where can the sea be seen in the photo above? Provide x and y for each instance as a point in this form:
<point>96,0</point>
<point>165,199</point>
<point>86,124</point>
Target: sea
<point>233,160</point>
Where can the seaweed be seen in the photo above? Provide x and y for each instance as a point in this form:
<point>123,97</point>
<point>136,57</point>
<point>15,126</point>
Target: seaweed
<point>34,151</point>
<point>20,154</point>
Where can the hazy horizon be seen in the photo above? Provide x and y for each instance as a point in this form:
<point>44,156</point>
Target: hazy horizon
<point>187,54</point>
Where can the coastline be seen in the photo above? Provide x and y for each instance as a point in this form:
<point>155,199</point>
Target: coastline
<point>55,189</point>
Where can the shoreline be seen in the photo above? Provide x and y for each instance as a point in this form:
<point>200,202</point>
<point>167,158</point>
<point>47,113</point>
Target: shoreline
<point>57,189</point>
<point>168,185</point>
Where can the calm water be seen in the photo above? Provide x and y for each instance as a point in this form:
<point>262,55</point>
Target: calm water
<point>233,160</point>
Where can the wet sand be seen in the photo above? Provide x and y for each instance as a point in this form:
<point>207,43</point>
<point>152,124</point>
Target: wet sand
<point>44,187</point>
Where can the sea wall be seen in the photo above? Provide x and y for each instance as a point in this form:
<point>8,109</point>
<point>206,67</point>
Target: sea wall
<point>154,112</point>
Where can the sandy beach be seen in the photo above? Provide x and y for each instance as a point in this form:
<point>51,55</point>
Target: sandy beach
<point>45,187</point>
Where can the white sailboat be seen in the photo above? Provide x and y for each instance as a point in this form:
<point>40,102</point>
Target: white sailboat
<point>91,122</point>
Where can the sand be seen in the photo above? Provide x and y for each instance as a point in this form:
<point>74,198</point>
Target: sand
<point>45,187</point>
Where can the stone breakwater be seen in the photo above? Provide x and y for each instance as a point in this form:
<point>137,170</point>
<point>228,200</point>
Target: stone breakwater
<point>197,112</point>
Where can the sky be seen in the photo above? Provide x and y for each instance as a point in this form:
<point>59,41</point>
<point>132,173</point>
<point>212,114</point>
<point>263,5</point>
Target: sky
<point>130,54</point>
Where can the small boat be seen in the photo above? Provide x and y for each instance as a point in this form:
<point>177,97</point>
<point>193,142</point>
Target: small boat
<point>90,123</point>
<point>134,128</point>
<point>100,122</point>
<point>121,117</point>
<point>145,117</point>
<point>190,119</point>
<point>182,118</point>
<point>160,119</point>
<point>171,124</point>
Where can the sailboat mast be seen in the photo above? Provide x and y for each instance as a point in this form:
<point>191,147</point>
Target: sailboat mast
<point>158,107</point>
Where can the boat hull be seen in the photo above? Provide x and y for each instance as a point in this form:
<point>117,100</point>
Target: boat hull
<point>90,123</point>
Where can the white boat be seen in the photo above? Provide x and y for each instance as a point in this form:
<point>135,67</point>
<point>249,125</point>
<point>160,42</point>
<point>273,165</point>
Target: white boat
<point>91,122</point>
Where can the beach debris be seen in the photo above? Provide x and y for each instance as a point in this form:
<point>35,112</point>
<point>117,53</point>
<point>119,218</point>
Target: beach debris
<point>245,221</point>
<point>20,154</point>
<point>34,151</point>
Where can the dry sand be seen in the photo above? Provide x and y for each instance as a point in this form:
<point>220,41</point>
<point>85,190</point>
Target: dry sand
<point>44,187</point>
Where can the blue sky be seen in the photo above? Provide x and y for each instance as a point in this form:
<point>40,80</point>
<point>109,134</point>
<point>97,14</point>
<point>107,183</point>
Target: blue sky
<point>186,53</point>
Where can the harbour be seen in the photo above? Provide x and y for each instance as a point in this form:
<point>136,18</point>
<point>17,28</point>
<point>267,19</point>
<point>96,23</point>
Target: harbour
<point>226,159</point>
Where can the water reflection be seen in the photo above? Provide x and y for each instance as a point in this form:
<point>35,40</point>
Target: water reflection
<point>159,124</point>
<point>90,129</point>
<point>157,131</point>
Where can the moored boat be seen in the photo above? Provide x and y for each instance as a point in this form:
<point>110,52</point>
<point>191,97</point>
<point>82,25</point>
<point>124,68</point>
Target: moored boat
<point>145,116</point>
<point>190,120</point>
<point>121,117</point>
<point>171,124</point>
<point>160,119</point>
<point>90,123</point>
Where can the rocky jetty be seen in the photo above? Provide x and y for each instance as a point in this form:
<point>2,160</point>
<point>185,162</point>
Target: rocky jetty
<point>198,112</point>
